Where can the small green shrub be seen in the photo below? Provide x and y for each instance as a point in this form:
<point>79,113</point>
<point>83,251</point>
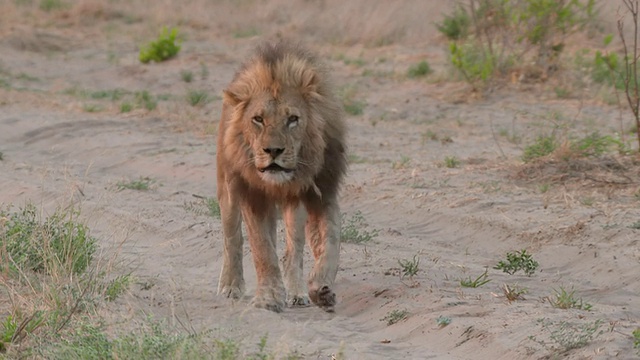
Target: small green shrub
<point>636,339</point>
<point>473,62</point>
<point>420,69</point>
<point>353,232</point>
<point>456,25</point>
<point>165,47</point>
<point>542,146</point>
<point>518,261</point>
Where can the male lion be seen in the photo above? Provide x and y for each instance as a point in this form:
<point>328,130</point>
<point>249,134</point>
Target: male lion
<point>281,146</point>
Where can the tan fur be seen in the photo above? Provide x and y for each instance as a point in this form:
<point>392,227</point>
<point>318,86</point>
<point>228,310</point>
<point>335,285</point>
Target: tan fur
<point>281,146</point>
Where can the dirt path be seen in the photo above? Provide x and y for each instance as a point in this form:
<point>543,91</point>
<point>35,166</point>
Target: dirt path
<point>457,221</point>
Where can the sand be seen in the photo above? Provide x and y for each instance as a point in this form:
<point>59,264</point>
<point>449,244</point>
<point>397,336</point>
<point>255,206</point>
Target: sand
<point>60,145</point>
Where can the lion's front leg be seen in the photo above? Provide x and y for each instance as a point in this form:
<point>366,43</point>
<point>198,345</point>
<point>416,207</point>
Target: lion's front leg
<point>323,234</point>
<point>294,219</point>
<point>261,231</point>
<point>231,283</point>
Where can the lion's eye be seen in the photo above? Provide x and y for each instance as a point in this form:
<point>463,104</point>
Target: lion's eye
<point>292,120</point>
<point>257,119</point>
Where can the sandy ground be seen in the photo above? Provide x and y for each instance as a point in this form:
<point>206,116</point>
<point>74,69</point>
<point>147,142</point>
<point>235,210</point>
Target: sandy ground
<point>61,145</point>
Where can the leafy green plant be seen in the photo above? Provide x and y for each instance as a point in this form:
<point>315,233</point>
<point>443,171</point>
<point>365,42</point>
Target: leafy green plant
<point>563,299</point>
<point>409,268</point>
<point>142,184</point>
<point>419,70</point>
<point>542,146</point>
<point>518,261</point>
<point>595,144</point>
<point>352,231</point>
<point>166,46</point>
<point>477,282</point>
<point>564,336</point>
<point>395,316</point>
<point>636,339</point>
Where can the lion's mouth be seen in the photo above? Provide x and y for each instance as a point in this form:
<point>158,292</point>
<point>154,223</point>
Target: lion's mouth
<point>273,167</point>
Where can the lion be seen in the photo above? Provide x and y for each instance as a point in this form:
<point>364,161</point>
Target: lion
<point>281,147</point>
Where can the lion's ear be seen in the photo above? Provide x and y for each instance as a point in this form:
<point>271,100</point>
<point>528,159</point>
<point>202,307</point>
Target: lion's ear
<point>309,83</point>
<point>230,98</point>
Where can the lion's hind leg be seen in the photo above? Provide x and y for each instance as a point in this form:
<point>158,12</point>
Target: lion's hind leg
<point>295,216</point>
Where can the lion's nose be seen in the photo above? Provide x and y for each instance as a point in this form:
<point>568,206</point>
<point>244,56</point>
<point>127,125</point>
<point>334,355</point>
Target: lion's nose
<point>274,152</point>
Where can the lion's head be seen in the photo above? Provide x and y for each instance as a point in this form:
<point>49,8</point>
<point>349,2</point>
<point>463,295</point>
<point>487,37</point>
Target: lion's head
<point>281,118</point>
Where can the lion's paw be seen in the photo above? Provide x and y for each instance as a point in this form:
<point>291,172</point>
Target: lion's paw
<point>298,301</point>
<point>324,298</point>
<point>230,291</point>
<point>270,299</point>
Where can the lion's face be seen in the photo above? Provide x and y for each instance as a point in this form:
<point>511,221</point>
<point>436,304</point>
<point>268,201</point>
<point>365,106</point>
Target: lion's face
<point>274,130</point>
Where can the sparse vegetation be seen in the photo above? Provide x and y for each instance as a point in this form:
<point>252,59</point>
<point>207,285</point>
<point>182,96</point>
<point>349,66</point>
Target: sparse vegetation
<point>564,336</point>
<point>197,97</point>
<point>419,70</point>
<point>353,230</point>
<point>443,321</point>
<point>563,299</point>
<point>395,316</point>
<point>451,162</point>
<point>351,104</point>
<point>542,146</point>
<point>146,100</point>
<point>142,184</point>
<point>479,30</point>
<point>186,75</point>
<point>518,261</point>
<point>513,292</point>
<point>477,282</point>
<point>409,268</point>
<point>402,163</point>
<point>636,339</point>
<point>166,46</point>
